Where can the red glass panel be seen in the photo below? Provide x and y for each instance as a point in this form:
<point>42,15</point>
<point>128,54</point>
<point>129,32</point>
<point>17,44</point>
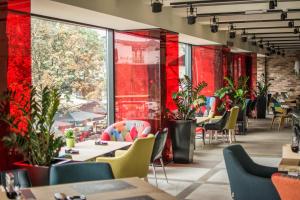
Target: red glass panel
<point>170,73</point>
<point>15,58</point>
<point>207,66</point>
<point>137,78</point>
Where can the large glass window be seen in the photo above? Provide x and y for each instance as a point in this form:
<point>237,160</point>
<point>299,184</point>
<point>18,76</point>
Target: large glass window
<point>72,57</point>
<point>182,59</point>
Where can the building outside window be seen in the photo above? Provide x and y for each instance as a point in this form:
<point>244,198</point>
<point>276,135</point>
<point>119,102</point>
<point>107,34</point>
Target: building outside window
<point>72,57</point>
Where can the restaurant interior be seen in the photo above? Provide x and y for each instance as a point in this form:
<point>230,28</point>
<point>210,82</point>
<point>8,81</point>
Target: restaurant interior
<point>150,99</point>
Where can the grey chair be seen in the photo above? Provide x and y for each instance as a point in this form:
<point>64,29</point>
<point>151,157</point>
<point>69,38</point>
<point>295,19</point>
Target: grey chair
<point>218,125</point>
<point>78,172</point>
<point>159,144</point>
<point>248,180</point>
<point>21,178</point>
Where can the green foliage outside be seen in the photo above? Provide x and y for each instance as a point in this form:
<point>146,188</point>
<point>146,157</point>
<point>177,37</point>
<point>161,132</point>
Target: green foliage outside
<point>70,57</point>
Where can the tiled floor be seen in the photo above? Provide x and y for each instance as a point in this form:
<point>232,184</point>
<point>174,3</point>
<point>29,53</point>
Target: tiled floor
<point>206,178</point>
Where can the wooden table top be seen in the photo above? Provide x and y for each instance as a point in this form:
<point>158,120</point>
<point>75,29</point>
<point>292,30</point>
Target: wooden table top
<point>288,154</point>
<point>130,188</point>
<point>89,151</point>
<point>201,120</point>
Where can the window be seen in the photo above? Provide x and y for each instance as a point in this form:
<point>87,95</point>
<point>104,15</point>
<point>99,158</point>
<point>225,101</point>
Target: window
<point>72,57</point>
<point>183,48</point>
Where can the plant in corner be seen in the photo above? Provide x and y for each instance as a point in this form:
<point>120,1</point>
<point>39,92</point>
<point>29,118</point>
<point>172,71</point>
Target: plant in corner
<point>182,122</point>
<point>70,138</point>
<point>36,141</point>
<point>261,94</point>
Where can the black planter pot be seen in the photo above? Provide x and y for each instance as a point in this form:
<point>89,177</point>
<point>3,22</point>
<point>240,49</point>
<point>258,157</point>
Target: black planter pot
<point>183,140</point>
<point>261,107</point>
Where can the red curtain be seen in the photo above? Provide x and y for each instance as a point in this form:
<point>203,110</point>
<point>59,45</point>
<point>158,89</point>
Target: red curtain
<point>207,66</point>
<point>15,57</point>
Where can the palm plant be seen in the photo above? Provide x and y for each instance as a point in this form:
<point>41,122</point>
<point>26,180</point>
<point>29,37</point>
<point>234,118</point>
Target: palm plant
<point>234,95</point>
<point>187,100</point>
<point>36,142</point>
<point>262,87</point>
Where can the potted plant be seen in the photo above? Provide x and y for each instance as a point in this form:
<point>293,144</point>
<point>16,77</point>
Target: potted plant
<point>36,141</point>
<point>182,123</point>
<point>70,138</point>
<point>235,95</point>
<point>261,100</point>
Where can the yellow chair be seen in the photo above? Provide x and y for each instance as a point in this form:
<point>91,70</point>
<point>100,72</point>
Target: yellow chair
<point>231,123</point>
<point>134,162</point>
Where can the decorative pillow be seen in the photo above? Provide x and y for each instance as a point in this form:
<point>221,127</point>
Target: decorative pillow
<point>133,133</point>
<point>146,130</point>
<point>105,136</point>
<point>128,138</point>
<point>116,135</point>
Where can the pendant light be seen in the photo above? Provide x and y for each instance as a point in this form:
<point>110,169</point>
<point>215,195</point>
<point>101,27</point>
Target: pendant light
<point>214,24</point>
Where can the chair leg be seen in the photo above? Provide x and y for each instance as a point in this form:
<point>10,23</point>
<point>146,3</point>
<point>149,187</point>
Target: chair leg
<point>203,136</point>
<point>273,120</point>
<point>154,173</point>
<point>233,134</point>
<point>163,166</point>
<point>230,135</point>
<point>281,123</point>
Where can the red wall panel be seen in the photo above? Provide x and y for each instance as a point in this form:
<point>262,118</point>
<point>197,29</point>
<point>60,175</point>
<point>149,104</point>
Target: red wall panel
<point>15,57</point>
<point>207,66</point>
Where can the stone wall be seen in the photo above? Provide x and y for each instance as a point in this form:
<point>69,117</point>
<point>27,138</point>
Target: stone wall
<point>280,73</point>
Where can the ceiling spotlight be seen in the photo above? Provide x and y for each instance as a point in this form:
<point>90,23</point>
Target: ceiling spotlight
<point>232,32</point>
<point>254,43</point>
<point>273,51</point>
<point>268,46</point>
<point>261,45</point>
<point>214,24</point>
<point>253,37</point>
<point>191,14</point>
<point>291,24</point>
<point>296,30</point>
<point>157,5</point>
<point>244,36</point>
<point>283,16</point>
<point>283,53</point>
<point>272,4</point>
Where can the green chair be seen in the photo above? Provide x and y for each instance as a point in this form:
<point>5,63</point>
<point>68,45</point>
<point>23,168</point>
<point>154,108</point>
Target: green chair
<point>231,123</point>
<point>134,162</point>
<point>78,172</point>
<point>21,178</point>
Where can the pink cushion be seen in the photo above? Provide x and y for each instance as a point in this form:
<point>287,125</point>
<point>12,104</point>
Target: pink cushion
<point>128,138</point>
<point>133,132</point>
<point>105,136</point>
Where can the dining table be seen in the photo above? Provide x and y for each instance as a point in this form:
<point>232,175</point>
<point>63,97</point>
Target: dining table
<point>89,150</point>
<point>117,189</point>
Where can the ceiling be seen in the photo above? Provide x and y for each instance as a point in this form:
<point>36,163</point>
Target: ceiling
<point>253,16</point>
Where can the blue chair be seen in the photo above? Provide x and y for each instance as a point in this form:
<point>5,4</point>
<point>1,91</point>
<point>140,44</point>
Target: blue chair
<point>248,180</point>
<point>21,178</point>
<point>78,172</point>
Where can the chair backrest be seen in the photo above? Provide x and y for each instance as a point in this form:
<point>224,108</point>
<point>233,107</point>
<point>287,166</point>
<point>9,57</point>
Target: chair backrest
<point>135,162</point>
<point>242,172</point>
<point>159,144</point>
<point>127,130</point>
<point>78,172</point>
<point>231,122</point>
<point>21,178</point>
<point>287,186</point>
